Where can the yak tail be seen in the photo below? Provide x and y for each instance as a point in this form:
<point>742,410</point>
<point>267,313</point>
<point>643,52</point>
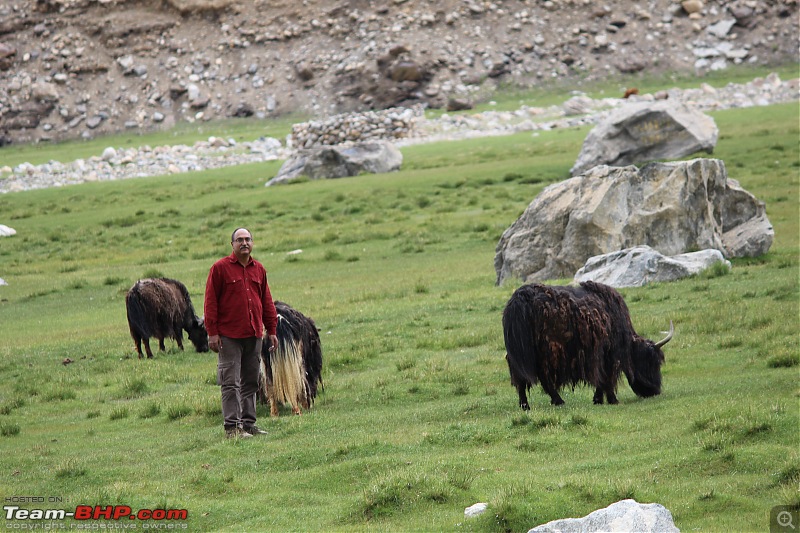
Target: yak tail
<point>518,334</point>
<point>288,380</point>
<point>138,316</point>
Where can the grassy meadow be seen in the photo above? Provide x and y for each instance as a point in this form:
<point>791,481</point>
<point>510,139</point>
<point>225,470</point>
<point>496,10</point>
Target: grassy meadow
<point>417,420</point>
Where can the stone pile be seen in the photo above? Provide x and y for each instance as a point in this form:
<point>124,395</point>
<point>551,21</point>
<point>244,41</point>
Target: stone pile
<point>389,124</point>
<point>124,163</point>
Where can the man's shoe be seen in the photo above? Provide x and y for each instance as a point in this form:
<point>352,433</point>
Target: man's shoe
<point>254,430</point>
<point>237,433</point>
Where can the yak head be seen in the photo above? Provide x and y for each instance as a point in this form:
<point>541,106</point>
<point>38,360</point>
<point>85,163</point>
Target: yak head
<point>646,361</point>
<point>198,334</point>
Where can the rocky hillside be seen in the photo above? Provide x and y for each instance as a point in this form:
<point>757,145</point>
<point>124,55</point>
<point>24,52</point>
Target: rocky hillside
<point>82,68</point>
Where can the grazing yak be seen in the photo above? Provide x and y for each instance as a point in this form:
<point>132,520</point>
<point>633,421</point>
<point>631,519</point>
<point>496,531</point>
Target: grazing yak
<point>161,307</point>
<point>561,336</point>
<point>291,373</point>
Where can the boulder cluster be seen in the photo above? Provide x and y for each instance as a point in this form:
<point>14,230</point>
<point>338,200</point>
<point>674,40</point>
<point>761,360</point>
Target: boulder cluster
<point>672,207</point>
<point>83,68</point>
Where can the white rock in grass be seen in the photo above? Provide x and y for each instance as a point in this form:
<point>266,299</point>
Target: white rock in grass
<point>623,516</point>
<point>5,231</point>
<point>475,510</point>
<point>640,265</point>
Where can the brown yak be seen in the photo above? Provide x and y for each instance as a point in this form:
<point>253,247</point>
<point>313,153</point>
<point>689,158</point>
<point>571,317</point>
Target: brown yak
<point>160,308</point>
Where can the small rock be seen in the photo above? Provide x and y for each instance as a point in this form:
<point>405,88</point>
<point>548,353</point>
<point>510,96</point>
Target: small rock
<point>109,154</point>
<point>94,121</point>
<point>475,510</point>
<point>692,6</point>
<point>5,231</point>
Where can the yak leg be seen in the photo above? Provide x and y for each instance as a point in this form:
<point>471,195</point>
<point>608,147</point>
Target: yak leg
<point>147,348</point>
<point>298,401</point>
<point>178,335</point>
<point>161,344</point>
<point>609,393</point>
<point>555,398</point>
<point>523,398</point>
<point>273,401</point>
<point>598,396</point>
<point>138,341</point>
<point>612,398</point>
<point>612,374</point>
<point>521,387</point>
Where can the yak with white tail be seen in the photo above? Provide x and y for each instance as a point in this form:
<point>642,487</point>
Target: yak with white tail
<point>292,371</point>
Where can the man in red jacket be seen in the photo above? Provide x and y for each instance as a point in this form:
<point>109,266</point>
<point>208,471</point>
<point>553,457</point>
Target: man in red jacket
<point>238,306</point>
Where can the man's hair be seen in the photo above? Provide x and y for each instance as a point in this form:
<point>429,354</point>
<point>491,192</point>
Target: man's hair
<point>237,229</point>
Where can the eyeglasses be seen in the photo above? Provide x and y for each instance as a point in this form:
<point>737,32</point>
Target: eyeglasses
<point>242,240</point>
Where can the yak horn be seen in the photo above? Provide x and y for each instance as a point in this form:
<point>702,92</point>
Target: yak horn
<point>666,339</point>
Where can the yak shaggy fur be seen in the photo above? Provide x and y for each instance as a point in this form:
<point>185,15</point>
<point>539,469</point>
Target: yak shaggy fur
<point>161,308</point>
<point>291,373</point>
<point>563,336</point>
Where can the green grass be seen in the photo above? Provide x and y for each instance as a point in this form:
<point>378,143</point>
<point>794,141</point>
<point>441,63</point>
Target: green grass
<point>417,420</point>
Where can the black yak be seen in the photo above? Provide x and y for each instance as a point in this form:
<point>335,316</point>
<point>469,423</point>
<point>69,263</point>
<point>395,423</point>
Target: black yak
<point>561,336</point>
<point>161,307</point>
<point>291,373</point>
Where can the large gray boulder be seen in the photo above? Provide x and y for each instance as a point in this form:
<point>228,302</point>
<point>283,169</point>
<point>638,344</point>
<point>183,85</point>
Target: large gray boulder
<point>635,267</point>
<point>645,131</point>
<point>623,516</point>
<point>672,207</point>
<point>340,161</point>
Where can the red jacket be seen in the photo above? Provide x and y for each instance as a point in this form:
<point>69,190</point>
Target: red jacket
<point>238,303</point>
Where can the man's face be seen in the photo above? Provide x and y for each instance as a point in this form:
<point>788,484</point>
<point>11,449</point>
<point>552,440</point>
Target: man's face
<point>242,243</point>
